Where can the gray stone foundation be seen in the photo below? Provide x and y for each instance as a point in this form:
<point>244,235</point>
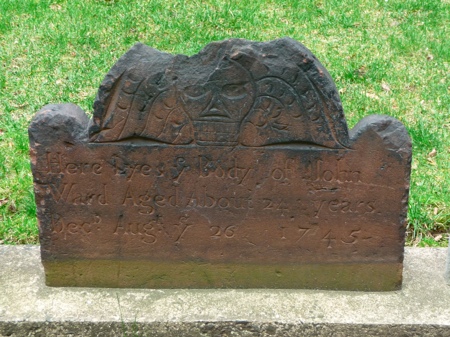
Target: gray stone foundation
<point>29,308</point>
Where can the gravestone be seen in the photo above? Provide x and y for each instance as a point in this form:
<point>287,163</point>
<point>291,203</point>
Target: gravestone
<point>231,168</point>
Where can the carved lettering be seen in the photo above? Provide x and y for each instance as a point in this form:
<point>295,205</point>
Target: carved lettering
<point>183,228</point>
<point>284,173</point>
<point>144,230</point>
<point>60,193</point>
<point>143,201</point>
<point>342,206</point>
<point>329,238</point>
<point>56,165</point>
<point>219,232</point>
<point>329,173</point>
<point>133,170</point>
<point>310,230</point>
<point>216,231</point>
<point>202,199</point>
<point>276,205</point>
<point>74,194</point>
<point>150,231</point>
<point>179,168</point>
<point>63,227</point>
<point>54,162</point>
<point>353,237</point>
<point>88,197</point>
<point>218,169</point>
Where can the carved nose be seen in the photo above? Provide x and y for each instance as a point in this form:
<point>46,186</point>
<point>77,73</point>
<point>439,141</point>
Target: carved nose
<point>214,111</point>
<point>217,103</point>
<point>217,109</point>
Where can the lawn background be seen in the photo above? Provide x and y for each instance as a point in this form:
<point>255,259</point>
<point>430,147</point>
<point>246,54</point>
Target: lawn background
<point>386,57</point>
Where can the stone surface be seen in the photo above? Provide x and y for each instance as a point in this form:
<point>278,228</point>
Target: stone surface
<point>29,308</point>
<point>230,168</point>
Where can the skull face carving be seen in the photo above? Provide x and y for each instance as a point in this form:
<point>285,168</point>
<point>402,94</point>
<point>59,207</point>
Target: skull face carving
<point>234,92</point>
<point>225,95</point>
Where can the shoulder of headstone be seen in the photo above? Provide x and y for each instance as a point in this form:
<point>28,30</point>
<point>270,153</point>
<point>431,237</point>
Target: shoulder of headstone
<point>66,123</point>
<point>390,131</point>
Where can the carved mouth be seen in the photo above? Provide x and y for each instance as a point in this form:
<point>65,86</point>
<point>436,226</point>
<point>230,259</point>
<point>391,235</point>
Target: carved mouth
<point>214,112</point>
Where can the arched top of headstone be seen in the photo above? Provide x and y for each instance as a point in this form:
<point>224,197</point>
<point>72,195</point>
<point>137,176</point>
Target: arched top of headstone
<point>234,92</point>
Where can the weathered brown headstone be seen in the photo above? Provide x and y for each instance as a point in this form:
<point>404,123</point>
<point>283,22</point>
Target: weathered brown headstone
<point>230,168</point>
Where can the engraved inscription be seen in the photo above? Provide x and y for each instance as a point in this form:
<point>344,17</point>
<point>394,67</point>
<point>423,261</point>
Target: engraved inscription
<point>329,239</point>
<point>64,228</point>
<point>144,230</point>
<point>342,206</point>
<point>283,173</point>
<point>275,205</point>
<point>307,231</point>
<point>56,164</point>
<point>150,231</point>
<point>179,168</point>
<point>144,201</point>
<point>77,194</point>
<point>121,168</point>
<point>319,171</point>
<point>227,232</point>
<point>219,169</point>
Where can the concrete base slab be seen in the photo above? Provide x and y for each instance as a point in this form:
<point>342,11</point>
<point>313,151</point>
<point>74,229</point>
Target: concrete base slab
<point>29,308</point>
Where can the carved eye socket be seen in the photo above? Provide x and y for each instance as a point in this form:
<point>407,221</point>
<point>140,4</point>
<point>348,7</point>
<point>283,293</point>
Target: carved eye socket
<point>194,91</point>
<point>169,102</point>
<point>234,91</point>
<point>276,112</point>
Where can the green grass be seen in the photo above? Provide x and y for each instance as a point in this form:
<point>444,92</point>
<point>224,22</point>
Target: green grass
<point>387,57</point>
